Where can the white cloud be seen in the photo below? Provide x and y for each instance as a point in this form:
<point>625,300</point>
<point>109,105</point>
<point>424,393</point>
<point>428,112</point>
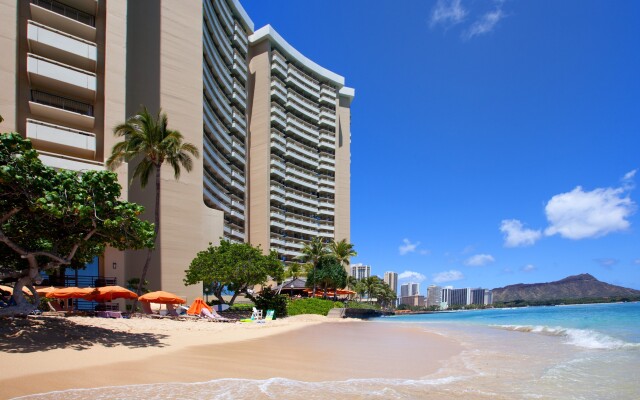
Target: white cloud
<point>606,263</point>
<point>447,12</point>
<point>486,23</point>
<point>507,270</point>
<point>412,275</point>
<point>528,268</point>
<point>409,247</point>
<point>516,235</point>
<point>629,175</point>
<point>636,261</point>
<point>479,260</point>
<point>579,214</point>
<point>448,276</point>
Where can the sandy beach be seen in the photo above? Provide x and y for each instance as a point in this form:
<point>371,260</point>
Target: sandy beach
<point>48,354</point>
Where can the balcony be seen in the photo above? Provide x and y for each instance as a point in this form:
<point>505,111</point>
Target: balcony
<point>328,91</point>
<point>61,46</point>
<point>276,188</point>
<point>238,205</point>
<point>279,60</point>
<point>238,146</point>
<point>275,215</point>
<point>327,159</point>
<point>240,38</point>
<point>326,204</point>
<point>277,146</point>
<point>61,109</point>
<point>223,199</point>
<point>60,136</point>
<point>312,201</point>
<point>324,211</point>
<point>301,108</point>
<point>277,198</point>
<point>304,231</point>
<point>277,172</point>
<point>213,59</point>
<point>300,206</point>
<point>278,115</point>
<point>217,32</point>
<point>239,65</point>
<point>61,77</point>
<point>304,222</point>
<point>326,189</point>
<point>225,12</point>
<point>301,173</point>
<point>239,97</point>
<point>61,161</point>
<point>326,167</point>
<point>278,91</point>
<point>294,244</point>
<point>302,130</point>
<point>305,150</point>
<point>304,81</point>
<point>277,242</point>
<point>302,182</point>
<point>277,162</point>
<point>64,18</point>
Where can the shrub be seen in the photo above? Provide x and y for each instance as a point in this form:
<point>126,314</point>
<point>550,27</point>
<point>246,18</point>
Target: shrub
<point>241,307</point>
<point>363,306</point>
<point>312,306</point>
<point>270,300</point>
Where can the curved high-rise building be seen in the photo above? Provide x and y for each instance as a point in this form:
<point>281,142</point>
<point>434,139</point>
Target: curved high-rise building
<point>299,153</point>
<point>225,47</point>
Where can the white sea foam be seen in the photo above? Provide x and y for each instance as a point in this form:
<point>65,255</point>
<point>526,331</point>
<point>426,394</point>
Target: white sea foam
<point>585,338</point>
<point>259,389</point>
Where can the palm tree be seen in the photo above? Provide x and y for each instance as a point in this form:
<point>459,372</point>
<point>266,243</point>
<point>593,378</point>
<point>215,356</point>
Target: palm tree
<point>294,270</point>
<point>150,140</point>
<point>342,251</point>
<point>312,253</point>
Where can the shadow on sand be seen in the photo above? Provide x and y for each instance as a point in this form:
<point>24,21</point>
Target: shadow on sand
<point>29,335</point>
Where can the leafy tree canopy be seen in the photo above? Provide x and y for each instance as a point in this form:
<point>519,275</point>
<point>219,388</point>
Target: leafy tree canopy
<point>50,218</point>
<point>328,275</point>
<point>236,266</point>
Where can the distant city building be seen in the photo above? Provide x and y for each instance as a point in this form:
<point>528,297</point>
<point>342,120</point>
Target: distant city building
<point>414,301</point>
<point>391,279</point>
<point>434,295</point>
<point>462,297</point>
<point>409,289</point>
<point>360,271</point>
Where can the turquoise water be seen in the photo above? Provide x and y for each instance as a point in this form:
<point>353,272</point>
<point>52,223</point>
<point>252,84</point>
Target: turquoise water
<point>605,326</point>
<point>578,352</point>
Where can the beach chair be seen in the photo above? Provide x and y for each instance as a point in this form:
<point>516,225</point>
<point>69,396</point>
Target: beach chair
<point>270,315</point>
<point>214,316</point>
<point>257,314</point>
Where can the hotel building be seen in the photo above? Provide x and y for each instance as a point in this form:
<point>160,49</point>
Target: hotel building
<point>299,152</point>
<point>391,279</point>
<point>360,271</point>
<point>272,127</point>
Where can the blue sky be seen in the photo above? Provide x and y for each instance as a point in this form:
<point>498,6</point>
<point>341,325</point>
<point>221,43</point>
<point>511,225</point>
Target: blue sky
<point>493,142</point>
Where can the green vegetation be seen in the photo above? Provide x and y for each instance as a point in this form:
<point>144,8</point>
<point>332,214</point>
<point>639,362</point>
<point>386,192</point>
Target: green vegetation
<point>237,307</point>
<point>151,142</point>
<point>51,219</point>
<point>555,302</point>
<point>328,275</point>
<point>312,306</point>
<point>236,267</point>
<point>312,253</point>
<point>375,288</point>
<point>270,300</point>
<point>362,306</point>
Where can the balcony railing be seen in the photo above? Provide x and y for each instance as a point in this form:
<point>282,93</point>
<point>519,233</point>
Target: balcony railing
<point>67,11</point>
<point>62,103</point>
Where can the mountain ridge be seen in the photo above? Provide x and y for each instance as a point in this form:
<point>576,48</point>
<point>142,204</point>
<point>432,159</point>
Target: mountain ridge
<point>572,287</point>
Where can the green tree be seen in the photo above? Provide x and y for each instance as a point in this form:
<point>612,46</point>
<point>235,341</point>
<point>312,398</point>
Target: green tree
<point>150,141</point>
<point>342,251</point>
<point>312,253</point>
<point>237,267</point>
<point>50,219</point>
<point>329,274</point>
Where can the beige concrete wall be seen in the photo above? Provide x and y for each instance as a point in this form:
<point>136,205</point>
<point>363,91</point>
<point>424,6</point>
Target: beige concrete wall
<point>111,100</point>
<point>343,171</point>
<point>8,66</point>
<point>259,121</point>
<point>165,71</point>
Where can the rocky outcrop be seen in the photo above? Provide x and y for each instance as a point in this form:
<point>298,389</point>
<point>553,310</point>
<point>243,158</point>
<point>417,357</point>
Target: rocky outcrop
<point>572,287</point>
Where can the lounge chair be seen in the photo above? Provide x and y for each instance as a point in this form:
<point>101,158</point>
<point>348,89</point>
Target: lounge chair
<point>270,315</point>
<point>214,316</point>
<point>257,314</point>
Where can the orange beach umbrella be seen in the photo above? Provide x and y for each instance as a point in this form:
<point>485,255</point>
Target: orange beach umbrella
<point>197,306</point>
<point>43,291</point>
<point>69,293</point>
<point>108,293</point>
<point>161,297</point>
<point>9,289</point>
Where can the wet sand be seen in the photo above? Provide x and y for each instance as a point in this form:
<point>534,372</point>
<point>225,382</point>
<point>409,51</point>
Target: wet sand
<point>307,348</point>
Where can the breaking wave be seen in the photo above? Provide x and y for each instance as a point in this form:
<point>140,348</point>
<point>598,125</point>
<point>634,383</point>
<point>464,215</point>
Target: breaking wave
<point>584,338</point>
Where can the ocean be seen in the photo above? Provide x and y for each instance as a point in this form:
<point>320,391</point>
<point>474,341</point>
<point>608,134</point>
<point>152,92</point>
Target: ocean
<point>564,352</point>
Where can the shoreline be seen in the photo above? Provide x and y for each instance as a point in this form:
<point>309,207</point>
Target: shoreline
<point>305,348</point>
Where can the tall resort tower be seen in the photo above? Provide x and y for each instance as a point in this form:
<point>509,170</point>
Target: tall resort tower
<point>272,127</point>
<point>299,150</point>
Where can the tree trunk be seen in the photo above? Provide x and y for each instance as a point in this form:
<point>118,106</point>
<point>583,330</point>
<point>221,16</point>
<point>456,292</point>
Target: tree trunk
<point>23,307</point>
<point>314,280</point>
<point>156,229</point>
